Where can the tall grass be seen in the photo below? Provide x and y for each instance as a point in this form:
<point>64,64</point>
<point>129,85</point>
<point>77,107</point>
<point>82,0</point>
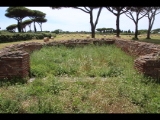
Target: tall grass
<point>92,61</point>
<point>90,79</point>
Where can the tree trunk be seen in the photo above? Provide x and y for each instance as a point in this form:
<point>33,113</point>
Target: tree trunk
<point>117,24</point>
<point>35,30</point>
<point>93,31</point>
<point>40,25</point>
<point>149,29</point>
<point>136,27</point>
<point>19,27</point>
<point>151,21</point>
<point>136,31</point>
<point>92,25</point>
<point>148,34</point>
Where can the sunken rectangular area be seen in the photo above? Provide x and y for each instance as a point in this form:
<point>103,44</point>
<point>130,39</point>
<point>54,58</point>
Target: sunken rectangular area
<point>87,61</point>
<point>9,62</point>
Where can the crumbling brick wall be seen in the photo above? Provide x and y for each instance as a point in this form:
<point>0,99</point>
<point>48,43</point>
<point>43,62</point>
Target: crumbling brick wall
<point>15,60</point>
<point>14,64</point>
<point>136,48</point>
<point>148,64</point>
<point>28,47</point>
<point>147,61</point>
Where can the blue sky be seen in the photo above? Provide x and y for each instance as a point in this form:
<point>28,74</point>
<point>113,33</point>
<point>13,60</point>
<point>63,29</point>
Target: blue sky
<point>69,19</point>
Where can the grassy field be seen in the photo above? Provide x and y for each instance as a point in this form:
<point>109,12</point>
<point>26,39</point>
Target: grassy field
<point>154,38</point>
<point>81,80</point>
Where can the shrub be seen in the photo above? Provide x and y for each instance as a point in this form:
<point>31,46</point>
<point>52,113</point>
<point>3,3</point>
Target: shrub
<point>12,37</point>
<point>134,38</point>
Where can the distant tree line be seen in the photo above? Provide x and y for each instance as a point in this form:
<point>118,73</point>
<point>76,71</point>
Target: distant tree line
<point>111,30</point>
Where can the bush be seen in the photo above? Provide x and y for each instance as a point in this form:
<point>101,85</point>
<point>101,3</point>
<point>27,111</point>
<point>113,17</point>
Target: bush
<point>13,37</point>
<point>126,33</point>
<point>134,38</point>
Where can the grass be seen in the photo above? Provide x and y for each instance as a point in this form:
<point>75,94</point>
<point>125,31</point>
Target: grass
<point>91,79</point>
<point>155,41</point>
<point>63,61</point>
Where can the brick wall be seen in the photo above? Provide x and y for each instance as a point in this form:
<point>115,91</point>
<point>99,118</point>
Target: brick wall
<point>136,48</point>
<point>15,60</point>
<point>14,64</point>
<point>147,61</point>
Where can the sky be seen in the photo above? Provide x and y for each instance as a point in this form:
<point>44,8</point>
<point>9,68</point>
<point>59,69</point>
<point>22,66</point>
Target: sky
<point>70,19</point>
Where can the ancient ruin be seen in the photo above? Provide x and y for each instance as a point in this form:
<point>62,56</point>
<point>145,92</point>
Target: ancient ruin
<point>15,59</point>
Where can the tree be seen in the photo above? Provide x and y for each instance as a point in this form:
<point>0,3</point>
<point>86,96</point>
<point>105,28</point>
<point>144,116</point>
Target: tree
<point>11,27</point>
<point>142,31</point>
<point>117,11</point>
<point>99,29</point>
<point>152,12</point>
<point>138,11</point>
<point>89,10</point>
<point>156,30</point>
<point>34,15</point>
<point>40,21</point>
<point>27,22</point>
<point>17,13</point>
<point>104,30</point>
<point>57,31</point>
<point>129,31</point>
<point>110,30</point>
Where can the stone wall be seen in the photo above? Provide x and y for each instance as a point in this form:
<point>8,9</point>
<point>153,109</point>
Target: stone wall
<point>15,59</point>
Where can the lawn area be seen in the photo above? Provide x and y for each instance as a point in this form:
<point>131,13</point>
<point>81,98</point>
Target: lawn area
<point>155,41</point>
<point>90,79</point>
<point>155,38</point>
